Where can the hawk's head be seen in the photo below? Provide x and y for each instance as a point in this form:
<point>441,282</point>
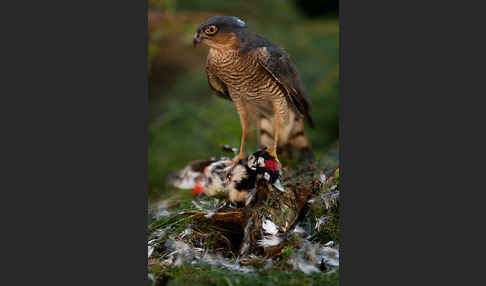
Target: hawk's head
<point>219,32</point>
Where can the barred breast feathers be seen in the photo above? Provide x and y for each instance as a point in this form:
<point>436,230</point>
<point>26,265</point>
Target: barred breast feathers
<point>242,74</point>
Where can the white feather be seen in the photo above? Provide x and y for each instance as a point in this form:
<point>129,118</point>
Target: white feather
<point>269,227</point>
<point>269,241</point>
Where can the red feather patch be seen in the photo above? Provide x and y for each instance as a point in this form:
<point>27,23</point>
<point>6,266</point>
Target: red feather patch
<point>198,188</point>
<point>271,165</point>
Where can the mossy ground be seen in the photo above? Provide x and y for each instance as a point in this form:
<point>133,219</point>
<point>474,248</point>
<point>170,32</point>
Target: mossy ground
<point>205,275</point>
<point>280,272</point>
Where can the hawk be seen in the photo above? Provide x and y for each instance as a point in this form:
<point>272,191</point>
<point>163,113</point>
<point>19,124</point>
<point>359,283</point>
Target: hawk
<point>261,80</point>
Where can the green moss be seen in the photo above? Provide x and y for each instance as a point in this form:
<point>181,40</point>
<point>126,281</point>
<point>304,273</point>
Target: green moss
<point>206,275</point>
<point>287,252</point>
<point>336,176</point>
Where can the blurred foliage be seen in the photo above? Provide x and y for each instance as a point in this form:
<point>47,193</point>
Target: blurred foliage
<point>319,8</point>
<point>187,121</point>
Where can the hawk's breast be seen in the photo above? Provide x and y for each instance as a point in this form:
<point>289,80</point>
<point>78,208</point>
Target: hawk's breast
<point>244,77</point>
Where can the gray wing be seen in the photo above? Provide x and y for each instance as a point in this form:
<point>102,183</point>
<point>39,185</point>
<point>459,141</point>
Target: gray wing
<point>277,62</point>
<point>217,85</point>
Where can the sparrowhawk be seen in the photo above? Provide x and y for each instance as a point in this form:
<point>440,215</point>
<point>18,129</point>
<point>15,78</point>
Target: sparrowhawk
<point>259,77</point>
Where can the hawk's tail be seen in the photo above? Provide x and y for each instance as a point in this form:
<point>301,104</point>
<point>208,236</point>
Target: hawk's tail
<point>293,141</point>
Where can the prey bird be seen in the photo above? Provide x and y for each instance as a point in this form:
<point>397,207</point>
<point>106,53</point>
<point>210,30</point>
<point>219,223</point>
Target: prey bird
<point>259,77</point>
<point>209,176</point>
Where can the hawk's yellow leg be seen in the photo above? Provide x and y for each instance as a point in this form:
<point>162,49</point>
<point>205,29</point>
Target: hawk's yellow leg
<point>276,130</point>
<point>241,108</point>
<point>242,146</point>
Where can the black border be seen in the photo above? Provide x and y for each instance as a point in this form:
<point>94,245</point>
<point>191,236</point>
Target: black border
<point>74,145</point>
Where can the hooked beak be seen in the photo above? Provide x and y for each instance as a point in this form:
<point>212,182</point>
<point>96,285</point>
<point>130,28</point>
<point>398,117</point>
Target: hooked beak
<point>196,39</point>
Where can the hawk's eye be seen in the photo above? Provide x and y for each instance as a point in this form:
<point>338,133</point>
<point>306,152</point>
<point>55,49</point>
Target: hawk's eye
<point>211,30</point>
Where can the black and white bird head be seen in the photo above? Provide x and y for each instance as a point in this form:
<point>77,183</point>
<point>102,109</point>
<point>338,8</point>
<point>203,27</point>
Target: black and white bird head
<point>264,165</point>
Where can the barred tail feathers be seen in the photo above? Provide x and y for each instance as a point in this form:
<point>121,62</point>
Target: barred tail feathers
<point>292,137</point>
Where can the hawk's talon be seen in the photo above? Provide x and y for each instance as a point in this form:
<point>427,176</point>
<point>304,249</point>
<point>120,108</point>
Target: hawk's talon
<point>237,159</point>
<point>274,155</point>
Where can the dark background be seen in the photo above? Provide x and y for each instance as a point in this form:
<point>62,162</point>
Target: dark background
<point>187,121</point>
